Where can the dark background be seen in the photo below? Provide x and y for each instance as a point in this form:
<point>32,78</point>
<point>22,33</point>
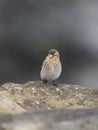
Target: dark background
<point>29,28</point>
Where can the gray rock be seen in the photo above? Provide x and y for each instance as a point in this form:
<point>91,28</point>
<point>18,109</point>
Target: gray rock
<point>7,105</point>
<point>38,106</point>
<point>82,119</point>
<point>35,95</point>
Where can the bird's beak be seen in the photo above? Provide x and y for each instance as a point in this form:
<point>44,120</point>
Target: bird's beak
<point>50,56</point>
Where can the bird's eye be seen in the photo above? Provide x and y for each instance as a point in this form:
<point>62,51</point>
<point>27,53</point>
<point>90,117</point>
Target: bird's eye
<point>55,54</point>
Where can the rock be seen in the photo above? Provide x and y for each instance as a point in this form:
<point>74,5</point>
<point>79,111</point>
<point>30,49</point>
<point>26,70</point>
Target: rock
<point>39,106</point>
<point>9,106</point>
<point>82,119</point>
<point>35,95</point>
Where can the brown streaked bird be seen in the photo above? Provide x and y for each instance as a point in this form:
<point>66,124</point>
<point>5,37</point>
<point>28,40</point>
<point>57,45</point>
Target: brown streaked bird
<point>51,67</point>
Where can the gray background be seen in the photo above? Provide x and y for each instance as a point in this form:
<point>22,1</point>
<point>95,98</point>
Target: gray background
<point>29,28</point>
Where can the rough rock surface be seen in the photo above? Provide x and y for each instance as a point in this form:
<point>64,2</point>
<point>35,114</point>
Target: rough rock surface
<point>36,95</point>
<point>9,106</point>
<point>48,107</point>
<point>52,120</point>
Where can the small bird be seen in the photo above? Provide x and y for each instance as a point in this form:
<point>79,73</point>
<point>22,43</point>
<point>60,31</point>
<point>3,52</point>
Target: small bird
<point>51,67</point>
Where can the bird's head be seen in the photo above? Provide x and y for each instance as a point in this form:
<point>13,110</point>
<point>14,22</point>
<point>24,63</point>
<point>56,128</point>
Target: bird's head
<point>53,53</point>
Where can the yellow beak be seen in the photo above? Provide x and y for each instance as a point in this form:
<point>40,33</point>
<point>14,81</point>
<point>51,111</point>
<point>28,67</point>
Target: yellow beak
<point>50,56</point>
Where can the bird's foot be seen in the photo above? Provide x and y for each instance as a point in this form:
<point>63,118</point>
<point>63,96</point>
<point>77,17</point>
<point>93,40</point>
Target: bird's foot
<point>54,83</point>
<point>45,81</point>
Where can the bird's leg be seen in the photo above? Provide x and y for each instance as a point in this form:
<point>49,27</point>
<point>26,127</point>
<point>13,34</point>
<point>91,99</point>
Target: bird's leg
<point>54,83</point>
<point>45,81</point>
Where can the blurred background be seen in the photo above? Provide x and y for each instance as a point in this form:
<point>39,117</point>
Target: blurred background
<point>29,28</point>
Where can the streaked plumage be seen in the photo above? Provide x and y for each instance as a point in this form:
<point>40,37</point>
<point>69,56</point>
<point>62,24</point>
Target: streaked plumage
<point>51,67</point>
